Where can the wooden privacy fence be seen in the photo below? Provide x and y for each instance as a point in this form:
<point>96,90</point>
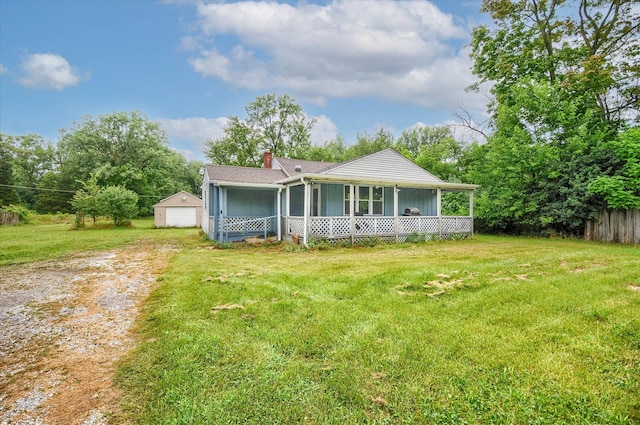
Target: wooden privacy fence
<point>9,218</point>
<point>621,226</point>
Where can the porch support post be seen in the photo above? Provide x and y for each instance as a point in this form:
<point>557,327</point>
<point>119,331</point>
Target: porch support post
<point>439,210</point>
<point>305,232</point>
<point>214,210</point>
<point>287,214</point>
<point>471,210</point>
<point>395,211</point>
<point>279,214</point>
<point>352,205</point>
<point>287,201</point>
<point>222,208</point>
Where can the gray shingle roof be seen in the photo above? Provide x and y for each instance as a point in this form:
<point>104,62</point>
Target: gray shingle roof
<point>230,173</point>
<point>314,167</point>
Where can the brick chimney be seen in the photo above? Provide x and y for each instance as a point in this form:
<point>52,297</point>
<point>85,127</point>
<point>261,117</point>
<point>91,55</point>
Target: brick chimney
<point>268,159</point>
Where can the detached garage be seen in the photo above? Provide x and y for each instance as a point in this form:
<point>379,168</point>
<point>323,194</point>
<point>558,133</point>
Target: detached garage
<point>179,210</point>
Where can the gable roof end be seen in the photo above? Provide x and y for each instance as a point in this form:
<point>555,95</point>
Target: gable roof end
<point>176,199</point>
<point>386,165</point>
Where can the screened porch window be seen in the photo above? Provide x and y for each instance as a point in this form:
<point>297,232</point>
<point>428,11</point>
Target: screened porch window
<point>369,200</point>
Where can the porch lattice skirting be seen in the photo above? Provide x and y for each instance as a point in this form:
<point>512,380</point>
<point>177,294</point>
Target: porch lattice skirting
<point>245,226</point>
<point>335,228</point>
<point>386,228</point>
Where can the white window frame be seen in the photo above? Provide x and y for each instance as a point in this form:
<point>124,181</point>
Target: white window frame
<point>356,202</point>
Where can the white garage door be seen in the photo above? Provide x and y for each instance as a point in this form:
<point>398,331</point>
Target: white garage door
<point>181,216</point>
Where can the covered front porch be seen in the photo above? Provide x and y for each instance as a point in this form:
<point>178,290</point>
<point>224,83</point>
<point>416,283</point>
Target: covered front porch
<point>238,212</point>
<point>341,211</point>
<point>307,209</point>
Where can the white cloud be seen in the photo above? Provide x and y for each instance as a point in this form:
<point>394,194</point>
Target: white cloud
<point>398,51</point>
<point>189,44</point>
<point>189,134</point>
<point>323,131</point>
<point>48,71</point>
<point>3,69</point>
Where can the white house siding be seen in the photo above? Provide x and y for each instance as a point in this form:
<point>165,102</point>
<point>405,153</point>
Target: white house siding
<point>386,164</point>
<point>206,199</point>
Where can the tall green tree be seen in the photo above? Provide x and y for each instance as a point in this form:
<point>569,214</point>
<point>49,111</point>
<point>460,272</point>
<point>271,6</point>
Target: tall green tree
<point>193,177</point>
<point>124,149</point>
<point>622,191</point>
<point>368,143</point>
<point>274,123</point>
<point>335,150</point>
<point>239,146</point>
<point>34,158</point>
<point>51,195</point>
<point>433,148</point>
<point>85,200</point>
<point>564,79</point>
<point>587,49</point>
<point>8,194</point>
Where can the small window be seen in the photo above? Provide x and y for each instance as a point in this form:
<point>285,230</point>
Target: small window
<point>347,200</point>
<point>364,195</point>
<point>377,200</point>
<point>369,200</point>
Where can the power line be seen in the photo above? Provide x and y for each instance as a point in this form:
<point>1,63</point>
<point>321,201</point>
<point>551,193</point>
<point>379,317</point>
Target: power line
<point>65,190</point>
<point>37,188</point>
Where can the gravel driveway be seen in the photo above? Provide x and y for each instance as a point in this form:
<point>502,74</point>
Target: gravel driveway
<point>63,326</point>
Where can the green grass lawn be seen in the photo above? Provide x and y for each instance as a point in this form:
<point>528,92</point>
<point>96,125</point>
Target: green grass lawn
<point>28,243</point>
<point>491,330</point>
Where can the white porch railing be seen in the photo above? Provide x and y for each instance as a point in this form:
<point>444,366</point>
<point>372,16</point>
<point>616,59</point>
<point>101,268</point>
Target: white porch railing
<point>244,225</point>
<point>383,226</point>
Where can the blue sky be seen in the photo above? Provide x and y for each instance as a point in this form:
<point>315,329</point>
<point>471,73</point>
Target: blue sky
<point>354,65</point>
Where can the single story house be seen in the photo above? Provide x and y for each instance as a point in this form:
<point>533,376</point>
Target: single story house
<point>382,195</point>
<point>179,210</point>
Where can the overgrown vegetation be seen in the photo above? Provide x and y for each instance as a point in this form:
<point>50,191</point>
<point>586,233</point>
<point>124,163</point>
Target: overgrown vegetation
<point>24,214</point>
<point>623,189</point>
<point>491,330</point>
<point>119,149</point>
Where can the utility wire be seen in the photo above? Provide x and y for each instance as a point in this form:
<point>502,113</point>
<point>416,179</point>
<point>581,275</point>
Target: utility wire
<point>64,190</point>
<point>37,188</point>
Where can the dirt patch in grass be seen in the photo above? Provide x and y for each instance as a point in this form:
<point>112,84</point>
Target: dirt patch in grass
<point>64,326</point>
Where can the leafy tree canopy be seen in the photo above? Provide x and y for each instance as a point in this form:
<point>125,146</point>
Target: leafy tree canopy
<point>117,203</point>
<point>124,149</point>
<point>622,190</point>
<point>85,199</point>
<point>433,148</point>
<point>564,79</point>
<point>274,123</point>
<point>8,194</point>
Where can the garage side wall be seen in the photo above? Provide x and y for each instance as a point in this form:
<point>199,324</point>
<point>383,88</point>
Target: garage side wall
<point>160,216</point>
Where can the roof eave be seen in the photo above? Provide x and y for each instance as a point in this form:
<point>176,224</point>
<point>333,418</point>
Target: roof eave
<point>246,184</point>
<point>382,182</point>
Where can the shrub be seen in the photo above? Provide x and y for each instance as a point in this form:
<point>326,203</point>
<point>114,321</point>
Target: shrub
<point>24,213</point>
<point>117,203</point>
